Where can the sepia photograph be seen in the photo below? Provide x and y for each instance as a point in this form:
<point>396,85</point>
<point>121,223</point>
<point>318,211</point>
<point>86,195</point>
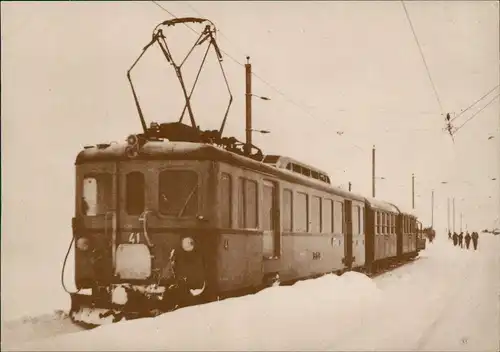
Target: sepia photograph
<point>250,175</point>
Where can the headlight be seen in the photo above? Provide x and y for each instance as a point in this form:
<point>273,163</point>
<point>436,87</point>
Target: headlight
<point>82,244</point>
<point>132,140</point>
<point>187,244</point>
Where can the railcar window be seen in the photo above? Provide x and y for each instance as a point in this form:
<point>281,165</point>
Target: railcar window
<point>338,217</point>
<point>268,211</point>
<point>135,195</point>
<point>327,210</point>
<point>391,223</point>
<point>361,220</point>
<point>178,193</point>
<point>225,200</point>
<point>301,212</point>
<point>379,222</point>
<point>386,222</point>
<point>247,204</point>
<point>97,194</point>
<point>355,220</point>
<point>315,218</point>
<point>287,210</point>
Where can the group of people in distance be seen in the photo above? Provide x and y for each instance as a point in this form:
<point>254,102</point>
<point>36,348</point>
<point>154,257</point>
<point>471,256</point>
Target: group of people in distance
<point>458,239</point>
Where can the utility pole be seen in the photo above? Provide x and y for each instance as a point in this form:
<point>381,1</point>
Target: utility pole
<point>248,106</point>
<point>453,214</point>
<point>432,210</point>
<point>413,191</point>
<point>350,186</point>
<point>373,172</point>
<point>448,212</point>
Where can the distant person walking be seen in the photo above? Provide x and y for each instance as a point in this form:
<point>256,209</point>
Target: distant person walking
<point>467,240</point>
<point>475,239</point>
<point>461,240</point>
<point>455,238</point>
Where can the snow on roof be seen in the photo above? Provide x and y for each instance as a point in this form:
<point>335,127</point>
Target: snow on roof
<point>382,205</point>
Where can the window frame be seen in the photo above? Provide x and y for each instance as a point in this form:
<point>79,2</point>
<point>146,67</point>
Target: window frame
<point>223,221</point>
<point>197,192</point>
<point>291,208</point>
<point>127,194</point>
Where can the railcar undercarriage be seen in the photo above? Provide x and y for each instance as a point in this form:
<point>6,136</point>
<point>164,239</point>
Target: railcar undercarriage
<point>104,305</point>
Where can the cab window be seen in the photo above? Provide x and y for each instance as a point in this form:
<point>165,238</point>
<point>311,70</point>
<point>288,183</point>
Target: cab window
<point>178,193</point>
<point>96,194</point>
<point>134,197</point>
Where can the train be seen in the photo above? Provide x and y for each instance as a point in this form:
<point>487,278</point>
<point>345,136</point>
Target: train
<point>176,216</point>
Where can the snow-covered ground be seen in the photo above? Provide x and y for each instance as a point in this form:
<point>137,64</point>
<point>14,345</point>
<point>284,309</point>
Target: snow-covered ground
<point>448,300</point>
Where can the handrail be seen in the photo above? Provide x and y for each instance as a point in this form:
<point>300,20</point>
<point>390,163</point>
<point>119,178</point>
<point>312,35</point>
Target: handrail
<point>113,236</point>
<point>144,219</point>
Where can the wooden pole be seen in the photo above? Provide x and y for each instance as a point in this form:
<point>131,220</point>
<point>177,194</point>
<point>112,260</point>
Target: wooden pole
<point>248,106</point>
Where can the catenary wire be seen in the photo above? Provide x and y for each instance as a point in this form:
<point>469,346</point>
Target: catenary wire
<point>423,57</point>
<point>474,103</point>
<point>476,113</point>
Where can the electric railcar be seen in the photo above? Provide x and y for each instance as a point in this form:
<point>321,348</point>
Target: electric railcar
<point>173,223</point>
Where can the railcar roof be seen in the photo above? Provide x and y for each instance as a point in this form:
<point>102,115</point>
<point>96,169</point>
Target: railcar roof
<point>382,205</point>
<point>165,150</point>
<point>409,212</point>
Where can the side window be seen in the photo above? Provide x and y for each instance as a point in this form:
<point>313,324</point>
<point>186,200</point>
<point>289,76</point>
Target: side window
<point>97,191</point>
<point>135,193</point>
<point>268,206</point>
<point>361,220</point>
<point>379,222</point>
<point>301,212</point>
<point>287,210</point>
<point>178,193</point>
<point>315,222</point>
<point>225,200</point>
<point>338,218</point>
<point>247,204</point>
<point>384,223</point>
<point>327,210</point>
<point>355,220</point>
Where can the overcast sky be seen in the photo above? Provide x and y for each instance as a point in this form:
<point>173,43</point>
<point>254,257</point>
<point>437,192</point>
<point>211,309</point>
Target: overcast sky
<point>350,66</point>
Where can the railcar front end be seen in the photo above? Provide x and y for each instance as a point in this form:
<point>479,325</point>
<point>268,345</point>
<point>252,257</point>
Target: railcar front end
<point>141,231</point>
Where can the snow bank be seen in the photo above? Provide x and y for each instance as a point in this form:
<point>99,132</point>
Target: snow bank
<point>421,306</point>
<point>275,318</point>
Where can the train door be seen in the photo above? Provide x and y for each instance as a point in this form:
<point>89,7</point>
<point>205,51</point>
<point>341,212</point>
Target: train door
<point>348,257</point>
<point>133,257</point>
<point>270,224</point>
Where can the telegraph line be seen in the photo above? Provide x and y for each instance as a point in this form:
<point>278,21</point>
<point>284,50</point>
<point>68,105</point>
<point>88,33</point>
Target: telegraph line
<point>423,58</point>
